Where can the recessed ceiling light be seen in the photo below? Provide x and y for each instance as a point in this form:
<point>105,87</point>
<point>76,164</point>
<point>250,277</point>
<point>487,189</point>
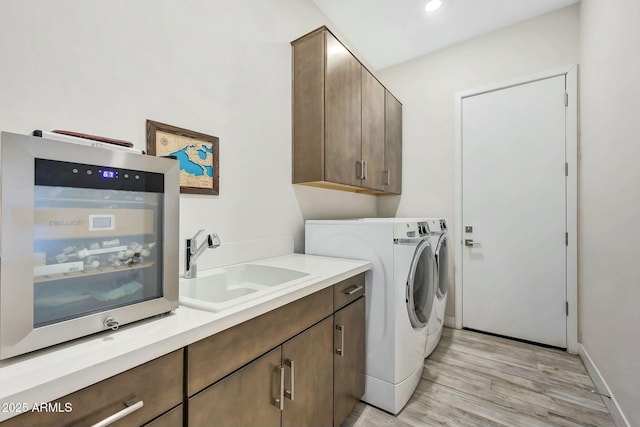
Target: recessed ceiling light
<point>433,5</point>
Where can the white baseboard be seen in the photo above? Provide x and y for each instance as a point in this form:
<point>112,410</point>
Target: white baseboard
<point>601,386</point>
<point>450,321</point>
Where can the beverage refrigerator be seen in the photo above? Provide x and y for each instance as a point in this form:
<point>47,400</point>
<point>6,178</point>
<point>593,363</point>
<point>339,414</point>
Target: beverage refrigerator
<point>88,240</point>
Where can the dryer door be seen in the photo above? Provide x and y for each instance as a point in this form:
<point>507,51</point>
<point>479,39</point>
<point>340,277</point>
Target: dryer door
<point>420,285</point>
<point>442,265</point>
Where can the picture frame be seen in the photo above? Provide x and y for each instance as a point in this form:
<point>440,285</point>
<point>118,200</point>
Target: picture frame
<point>198,154</point>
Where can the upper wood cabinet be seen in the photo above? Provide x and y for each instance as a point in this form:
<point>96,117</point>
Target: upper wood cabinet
<point>373,131</point>
<point>339,120</point>
<point>342,108</point>
<point>392,144</point>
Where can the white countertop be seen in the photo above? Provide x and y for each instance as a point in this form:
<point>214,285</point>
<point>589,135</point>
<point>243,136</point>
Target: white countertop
<point>51,373</point>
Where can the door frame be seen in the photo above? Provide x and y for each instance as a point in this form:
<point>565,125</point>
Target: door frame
<point>571,154</point>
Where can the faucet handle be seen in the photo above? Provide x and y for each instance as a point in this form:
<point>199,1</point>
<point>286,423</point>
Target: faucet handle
<point>213,240</point>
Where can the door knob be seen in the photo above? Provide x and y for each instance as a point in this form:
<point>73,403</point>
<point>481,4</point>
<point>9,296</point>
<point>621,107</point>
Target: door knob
<point>471,243</point>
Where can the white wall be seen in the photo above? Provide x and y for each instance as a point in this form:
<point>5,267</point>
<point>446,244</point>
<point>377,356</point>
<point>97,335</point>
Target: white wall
<point>427,86</point>
<point>219,67</point>
<point>610,195</point>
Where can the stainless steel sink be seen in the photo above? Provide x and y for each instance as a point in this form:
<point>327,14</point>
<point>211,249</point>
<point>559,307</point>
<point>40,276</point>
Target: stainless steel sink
<point>221,288</point>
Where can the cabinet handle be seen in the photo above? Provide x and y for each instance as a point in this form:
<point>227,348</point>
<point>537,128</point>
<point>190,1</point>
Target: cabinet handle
<point>340,350</point>
<point>290,394</point>
<point>358,169</point>
<point>131,407</point>
<point>364,169</point>
<point>352,290</point>
<point>388,180</point>
<point>278,402</point>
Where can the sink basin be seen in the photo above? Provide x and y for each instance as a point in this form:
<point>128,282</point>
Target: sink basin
<point>222,288</point>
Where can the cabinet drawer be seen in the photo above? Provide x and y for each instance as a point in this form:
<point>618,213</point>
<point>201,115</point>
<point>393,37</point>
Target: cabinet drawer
<point>348,291</point>
<point>217,356</point>
<point>158,384</point>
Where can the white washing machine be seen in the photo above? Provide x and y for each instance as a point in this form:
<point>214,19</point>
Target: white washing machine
<point>439,240</point>
<point>399,298</point>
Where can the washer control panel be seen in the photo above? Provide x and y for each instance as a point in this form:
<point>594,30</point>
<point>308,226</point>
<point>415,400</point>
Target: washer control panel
<point>410,230</point>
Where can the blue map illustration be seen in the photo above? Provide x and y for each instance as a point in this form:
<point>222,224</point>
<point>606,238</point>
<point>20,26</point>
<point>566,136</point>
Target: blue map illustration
<point>195,160</point>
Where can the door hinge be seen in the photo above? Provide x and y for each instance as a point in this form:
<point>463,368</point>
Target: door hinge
<point>566,239</point>
<point>567,307</point>
<point>566,169</point>
<point>566,99</point>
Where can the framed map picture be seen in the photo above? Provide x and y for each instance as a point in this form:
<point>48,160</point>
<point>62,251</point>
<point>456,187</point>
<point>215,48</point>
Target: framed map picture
<point>197,153</point>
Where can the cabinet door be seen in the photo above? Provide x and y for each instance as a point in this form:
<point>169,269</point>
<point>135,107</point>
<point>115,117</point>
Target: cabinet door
<point>308,363</point>
<point>393,144</point>
<point>349,359</point>
<point>245,398</point>
<point>342,114</point>
<point>308,108</point>
<point>373,139</point>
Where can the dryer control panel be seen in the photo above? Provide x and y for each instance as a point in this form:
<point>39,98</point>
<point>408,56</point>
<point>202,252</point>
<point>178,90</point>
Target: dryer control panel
<point>438,225</point>
<point>410,230</point>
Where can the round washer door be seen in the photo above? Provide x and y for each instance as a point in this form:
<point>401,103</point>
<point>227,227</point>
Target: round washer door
<point>420,286</point>
<point>442,265</point>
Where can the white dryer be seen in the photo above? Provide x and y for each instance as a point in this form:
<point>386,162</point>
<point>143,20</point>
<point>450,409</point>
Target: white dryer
<point>439,240</point>
<point>399,297</point>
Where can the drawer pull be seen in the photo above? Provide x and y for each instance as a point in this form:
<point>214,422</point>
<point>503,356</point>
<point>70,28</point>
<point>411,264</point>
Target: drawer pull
<point>290,394</point>
<point>131,407</point>
<point>340,350</point>
<point>352,290</point>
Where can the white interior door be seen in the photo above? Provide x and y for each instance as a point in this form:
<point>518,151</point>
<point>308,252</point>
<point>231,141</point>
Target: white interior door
<point>514,197</point>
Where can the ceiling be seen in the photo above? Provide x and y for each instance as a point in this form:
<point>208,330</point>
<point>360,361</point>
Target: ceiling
<point>389,32</point>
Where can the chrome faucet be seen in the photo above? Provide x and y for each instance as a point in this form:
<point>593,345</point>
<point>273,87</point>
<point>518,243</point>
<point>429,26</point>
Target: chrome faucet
<point>193,251</point>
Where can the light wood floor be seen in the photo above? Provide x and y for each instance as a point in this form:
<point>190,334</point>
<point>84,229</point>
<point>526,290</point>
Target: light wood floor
<point>474,379</point>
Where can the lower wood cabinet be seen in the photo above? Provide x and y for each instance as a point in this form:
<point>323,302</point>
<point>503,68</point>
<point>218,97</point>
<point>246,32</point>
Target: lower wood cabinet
<point>348,365</point>
<point>142,393</point>
<point>211,359</point>
<point>301,365</point>
<point>308,363</point>
<point>312,373</point>
<point>245,398</point>
<point>288,386</point>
